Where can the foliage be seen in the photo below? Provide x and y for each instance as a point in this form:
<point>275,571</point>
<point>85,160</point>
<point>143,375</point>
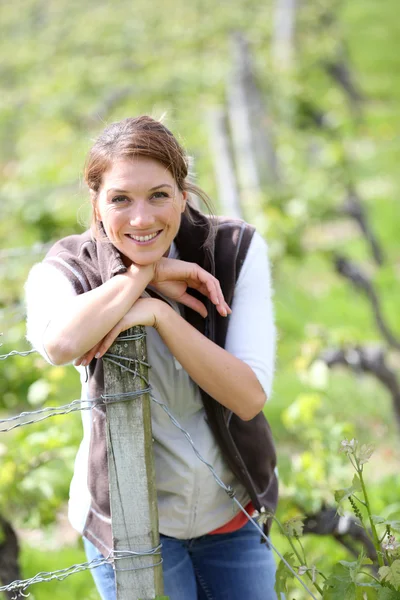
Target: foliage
<point>67,68</point>
<point>355,580</point>
<point>75,587</point>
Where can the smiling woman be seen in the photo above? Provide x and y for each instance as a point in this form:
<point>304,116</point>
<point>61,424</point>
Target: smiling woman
<point>140,207</point>
<point>211,345</point>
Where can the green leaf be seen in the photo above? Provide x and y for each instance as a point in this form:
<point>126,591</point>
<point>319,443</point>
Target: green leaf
<point>340,585</point>
<point>294,527</point>
<point>391,574</point>
<point>378,520</point>
<point>365,453</point>
<point>344,493</point>
<point>395,525</point>
<point>387,594</point>
<point>356,566</point>
<point>283,575</point>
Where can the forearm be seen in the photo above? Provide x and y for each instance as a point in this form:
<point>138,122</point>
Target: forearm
<point>226,378</point>
<point>88,317</point>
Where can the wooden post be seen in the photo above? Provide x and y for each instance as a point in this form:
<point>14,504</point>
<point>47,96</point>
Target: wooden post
<point>131,473</point>
<point>283,34</point>
<point>228,193</point>
<point>251,126</point>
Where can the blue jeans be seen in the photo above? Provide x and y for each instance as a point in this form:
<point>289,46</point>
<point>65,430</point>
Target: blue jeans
<point>229,566</point>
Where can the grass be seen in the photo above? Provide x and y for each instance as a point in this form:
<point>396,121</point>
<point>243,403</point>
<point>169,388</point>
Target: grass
<point>79,586</point>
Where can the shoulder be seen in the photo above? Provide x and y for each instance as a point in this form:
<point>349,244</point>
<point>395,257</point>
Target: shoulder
<point>233,234</point>
<point>227,226</point>
<point>73,245</point>
<point>73,256</point>
<point>233,239</point>
<point>256,263</point>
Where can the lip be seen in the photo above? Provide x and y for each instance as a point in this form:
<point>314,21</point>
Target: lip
<point>146,243</point>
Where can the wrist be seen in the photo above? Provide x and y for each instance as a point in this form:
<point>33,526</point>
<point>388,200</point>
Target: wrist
<point>138,274</point>
<point>163,313</point>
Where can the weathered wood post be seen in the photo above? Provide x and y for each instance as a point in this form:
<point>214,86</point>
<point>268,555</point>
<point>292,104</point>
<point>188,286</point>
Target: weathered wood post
<point>131,471</point>
<point>251,127</point>
<point>282,45</point>
<point>228,193</point>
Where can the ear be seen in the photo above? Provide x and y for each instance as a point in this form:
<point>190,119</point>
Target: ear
<point>184,200</point>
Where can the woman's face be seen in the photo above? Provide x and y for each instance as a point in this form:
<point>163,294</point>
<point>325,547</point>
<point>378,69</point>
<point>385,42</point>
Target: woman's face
<point>140,206</point>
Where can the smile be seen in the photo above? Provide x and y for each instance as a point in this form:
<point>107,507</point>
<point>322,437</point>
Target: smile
<point>144,239</point>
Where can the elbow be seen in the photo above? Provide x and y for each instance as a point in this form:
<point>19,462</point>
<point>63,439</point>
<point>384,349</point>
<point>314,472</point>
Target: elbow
<point>252,410</point>
<point>58,353</point>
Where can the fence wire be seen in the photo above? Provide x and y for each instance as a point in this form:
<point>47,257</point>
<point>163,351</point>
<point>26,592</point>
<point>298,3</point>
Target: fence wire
<point>20,586</point>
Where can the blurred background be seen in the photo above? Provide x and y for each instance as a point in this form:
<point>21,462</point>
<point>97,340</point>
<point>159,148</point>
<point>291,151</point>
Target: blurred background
<point>290,110</point>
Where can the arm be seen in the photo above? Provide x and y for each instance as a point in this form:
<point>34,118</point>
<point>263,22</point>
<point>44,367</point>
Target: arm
<point>222,375</point>
<point>245,368</point>
<point>250,342</point>
<point>81,323</point>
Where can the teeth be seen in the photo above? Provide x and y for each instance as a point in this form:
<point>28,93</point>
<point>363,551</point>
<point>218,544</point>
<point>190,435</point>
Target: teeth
<point>143,238</point>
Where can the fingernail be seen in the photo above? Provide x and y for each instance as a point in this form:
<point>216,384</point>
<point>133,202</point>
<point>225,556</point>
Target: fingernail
<point>84,363</point>
<point>97,355</point>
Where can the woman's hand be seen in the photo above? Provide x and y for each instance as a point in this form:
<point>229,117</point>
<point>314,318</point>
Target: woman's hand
<point>172,277</point>
<point>144,312</point>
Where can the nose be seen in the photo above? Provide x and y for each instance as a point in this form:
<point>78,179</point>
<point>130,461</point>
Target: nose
<point>141,216</point>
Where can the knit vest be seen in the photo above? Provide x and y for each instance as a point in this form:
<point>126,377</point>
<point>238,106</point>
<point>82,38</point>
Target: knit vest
<point>247,446</point>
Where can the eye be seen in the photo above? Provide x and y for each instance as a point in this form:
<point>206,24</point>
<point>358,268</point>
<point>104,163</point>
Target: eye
<point>158,195</point>
<point>119,199</point>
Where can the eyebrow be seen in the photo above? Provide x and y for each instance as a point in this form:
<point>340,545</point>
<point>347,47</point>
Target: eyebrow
<point>156,187</point>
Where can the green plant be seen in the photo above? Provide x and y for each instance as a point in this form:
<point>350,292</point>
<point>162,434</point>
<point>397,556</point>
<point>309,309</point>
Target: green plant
<point>360,579</point>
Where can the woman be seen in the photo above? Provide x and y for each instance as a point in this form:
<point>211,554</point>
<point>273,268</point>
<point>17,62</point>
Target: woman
<point>210,341</point>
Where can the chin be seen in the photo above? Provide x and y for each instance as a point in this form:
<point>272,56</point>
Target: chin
<point>144,261</point>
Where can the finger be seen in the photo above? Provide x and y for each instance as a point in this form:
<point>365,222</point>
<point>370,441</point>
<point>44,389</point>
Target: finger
<point>220,302</point>
<point>194,304</point>
<point>86,358</point>
<point>219,292</point>
<point>92,353</point>
<point>108,340</point>
<point>82,360</point>
<point>78,361</point>
<point>212,292</point>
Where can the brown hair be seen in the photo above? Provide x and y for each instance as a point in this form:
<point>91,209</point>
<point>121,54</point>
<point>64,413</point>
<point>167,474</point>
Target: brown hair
<point>140,136</point>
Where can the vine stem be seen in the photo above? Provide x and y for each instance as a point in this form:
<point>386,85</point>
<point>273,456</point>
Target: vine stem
<point>299,558</point>
<point>368,508</point>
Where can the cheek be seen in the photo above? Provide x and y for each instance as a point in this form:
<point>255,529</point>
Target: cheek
<point>112,223</point>
<point>174,216</point>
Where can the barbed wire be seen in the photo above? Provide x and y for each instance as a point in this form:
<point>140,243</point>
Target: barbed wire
<point>16,353</point>
<point>228,489</point>
<point>74,406</point>
<point>104,399</point>
<point>51,411</point>
<point>231,493</point>
<point>21,585</point>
